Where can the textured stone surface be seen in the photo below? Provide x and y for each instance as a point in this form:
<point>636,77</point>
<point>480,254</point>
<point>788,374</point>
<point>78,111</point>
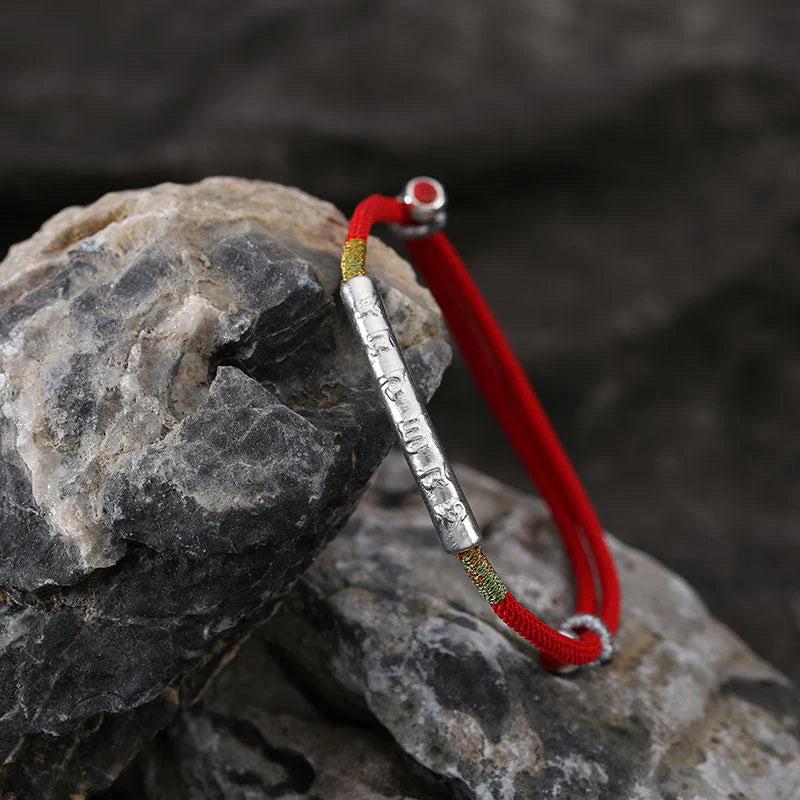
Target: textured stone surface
<point>186,420</point>
<point>624,187</point>
<point>385,635</point>
<point>260,732</point>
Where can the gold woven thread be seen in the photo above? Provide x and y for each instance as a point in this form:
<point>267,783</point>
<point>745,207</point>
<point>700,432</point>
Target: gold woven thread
<point>354,258</point>
<point>481,572</point>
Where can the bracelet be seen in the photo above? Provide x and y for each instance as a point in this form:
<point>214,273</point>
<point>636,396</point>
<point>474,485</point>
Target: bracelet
<point>587,637</point>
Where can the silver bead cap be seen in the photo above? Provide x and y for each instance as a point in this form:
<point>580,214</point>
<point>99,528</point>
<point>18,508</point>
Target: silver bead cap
<point>570,627</point>
<point>426,201</point>
<point>425,198</point>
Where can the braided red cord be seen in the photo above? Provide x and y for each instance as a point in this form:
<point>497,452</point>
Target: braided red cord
<point>514,403</point>
<point>493,380</point>
<point>372,209</point>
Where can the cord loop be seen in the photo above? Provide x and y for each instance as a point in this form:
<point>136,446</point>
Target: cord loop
<point>573,625</point>
<point>510,396</point>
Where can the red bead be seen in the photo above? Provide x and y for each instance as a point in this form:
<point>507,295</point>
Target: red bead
<point>425,192</point>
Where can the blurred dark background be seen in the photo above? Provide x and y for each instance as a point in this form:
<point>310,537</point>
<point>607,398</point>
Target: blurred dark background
<point>624,185</point>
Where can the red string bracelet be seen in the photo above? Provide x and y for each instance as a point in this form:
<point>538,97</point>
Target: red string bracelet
<point>585,638</point>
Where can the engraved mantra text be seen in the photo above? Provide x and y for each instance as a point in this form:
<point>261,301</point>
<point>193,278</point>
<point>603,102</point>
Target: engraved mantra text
<point>443,497</point>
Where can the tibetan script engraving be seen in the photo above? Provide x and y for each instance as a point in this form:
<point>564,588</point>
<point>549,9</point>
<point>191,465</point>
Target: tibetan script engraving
<point>446,503</point>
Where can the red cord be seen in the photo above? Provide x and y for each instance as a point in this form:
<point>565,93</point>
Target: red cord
<point>372,209</point>
<point>515,405</point>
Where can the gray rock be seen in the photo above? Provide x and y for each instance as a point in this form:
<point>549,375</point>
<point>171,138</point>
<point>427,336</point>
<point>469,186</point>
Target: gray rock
<point>260,732</point>
<point>384,635</point>
<point>186,421</point>
<point>624,188</point>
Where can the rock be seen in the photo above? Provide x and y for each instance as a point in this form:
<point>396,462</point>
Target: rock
<point>623,181</point>
<point>256,734</point>
<point>187,420</point>
<point>384,654</point>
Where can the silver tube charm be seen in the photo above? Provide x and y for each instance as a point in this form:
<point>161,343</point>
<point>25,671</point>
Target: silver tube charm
<point>452,517</point>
